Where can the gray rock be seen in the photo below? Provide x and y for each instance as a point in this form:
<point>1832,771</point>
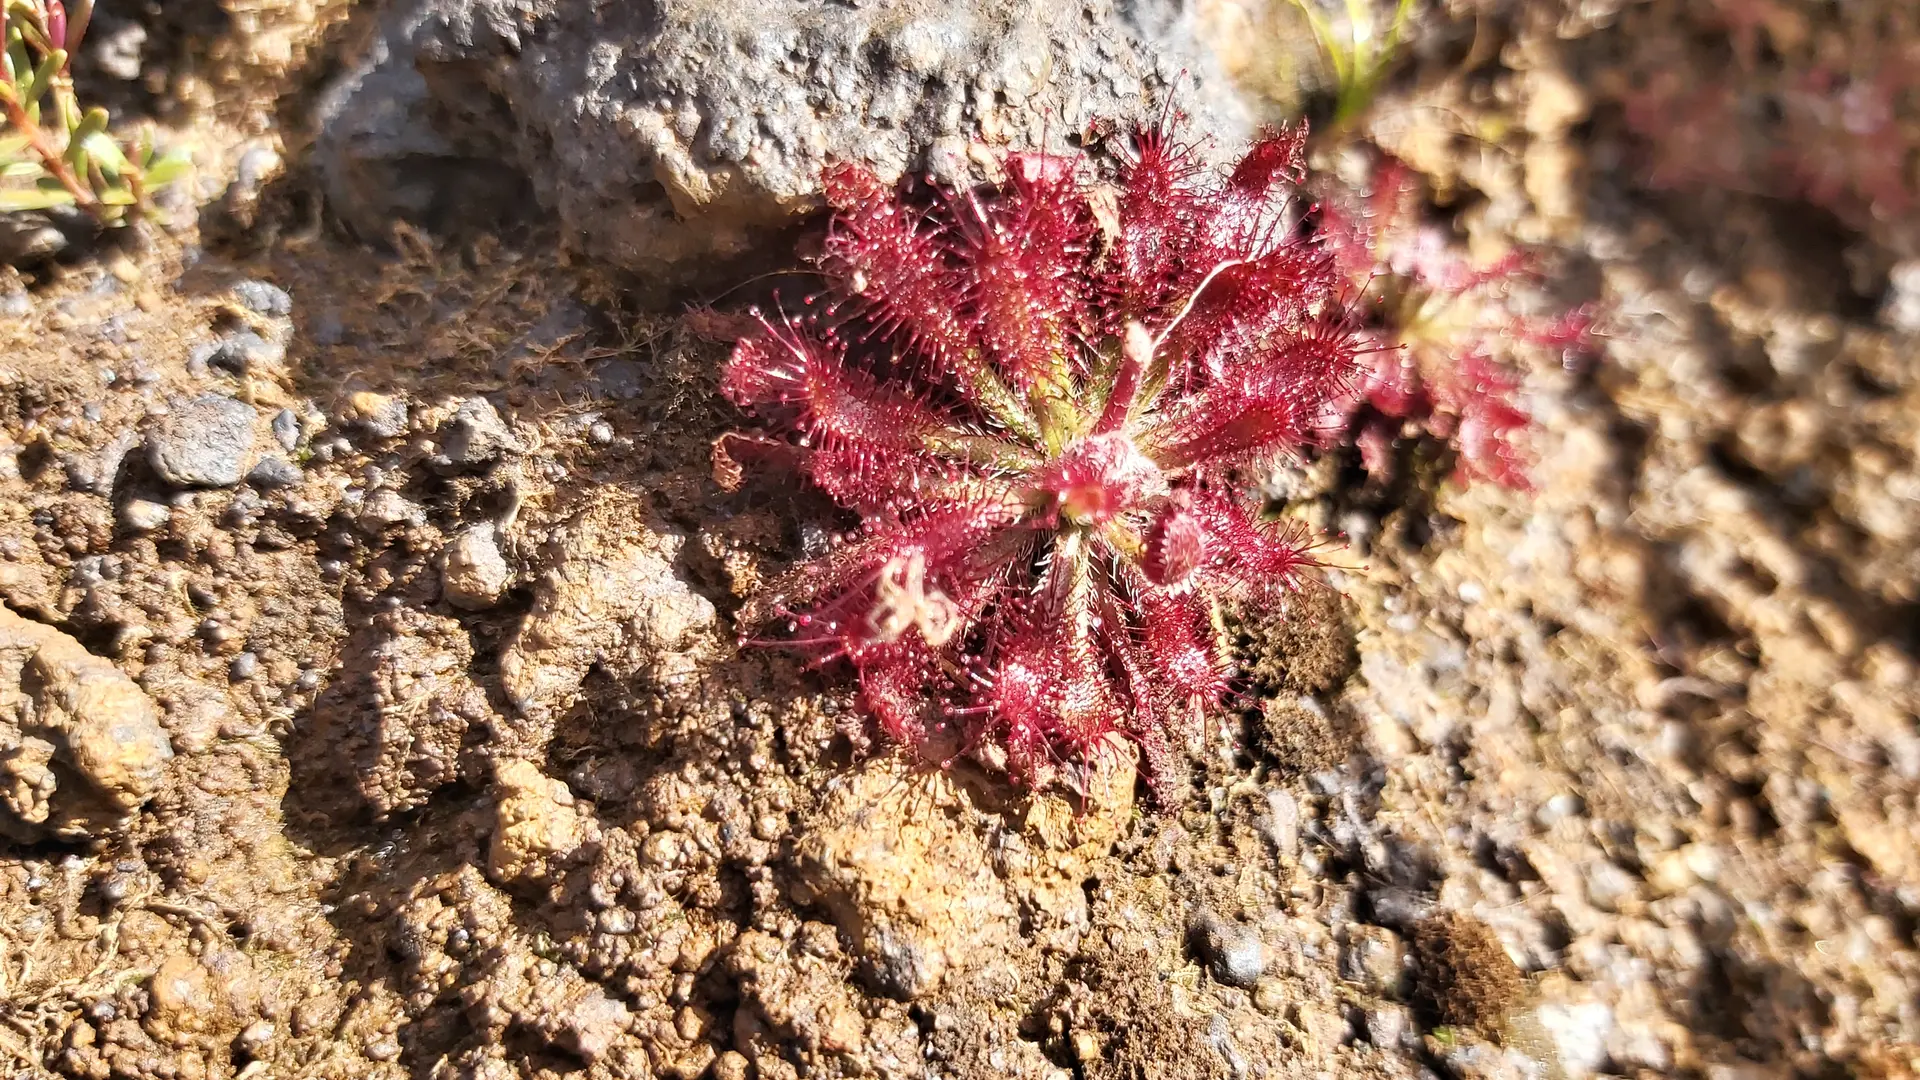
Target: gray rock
<point>902,966</point>
<point>1233,953</point>
<point>16,304</point>
<point>1609,886</point>
<point>116,47</point>
<point>286,430</point>
<point>256,167</point>
<point>235,217</point>
<point>241,352</point>
<point>263,298</point>
<point>29,238</point>
<point>476,435</point>
<point>1399,908</point>
<point>1475,1060</point>
<point>1579,1034</point>
<point>205,441</point>
<point>1281,823</point>
<point>668,138</point>
<point>384,416</point>
<point>1388,1025</point>
<point>274,472</point>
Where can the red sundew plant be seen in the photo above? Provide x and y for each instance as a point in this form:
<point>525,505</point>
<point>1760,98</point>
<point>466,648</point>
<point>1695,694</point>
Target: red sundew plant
<point>1041,401</point>
<point>1437,321</point>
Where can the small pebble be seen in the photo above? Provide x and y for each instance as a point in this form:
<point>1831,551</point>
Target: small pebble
<point>243,667</point>
<point>473,573</point>
<point>142,515</point>
<point>242,352</point>
<point>202,442</point>
<point>263,298</point>
<point>380,415</point>
<point>286,430</point>
<point>386,508</point>
<point>256,1038</point>
<point>274,472</point>
<point>476,435</point>
<point>115,888</point>
<point>256,166</point>
<point>1234,953</point>
<point>1375,958</point>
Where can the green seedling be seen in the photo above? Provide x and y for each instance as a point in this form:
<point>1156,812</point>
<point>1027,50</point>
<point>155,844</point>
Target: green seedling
<point>1358,48</point>
<point>53,151</point>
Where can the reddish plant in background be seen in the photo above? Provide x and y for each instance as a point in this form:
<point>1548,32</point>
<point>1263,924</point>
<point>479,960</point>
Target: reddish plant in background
<point>1829,113</point>
<point>1438,321</point>
<point>1039,400</point>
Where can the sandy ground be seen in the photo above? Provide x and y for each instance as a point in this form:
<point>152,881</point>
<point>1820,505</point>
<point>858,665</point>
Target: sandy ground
<point>372,706</point>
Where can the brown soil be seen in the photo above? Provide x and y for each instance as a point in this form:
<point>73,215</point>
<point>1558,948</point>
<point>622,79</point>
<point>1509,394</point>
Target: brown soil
<point>1619,776</point>
<point>1465,975</point>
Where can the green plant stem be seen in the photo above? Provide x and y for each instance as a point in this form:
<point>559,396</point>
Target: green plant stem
<point>50,159</point>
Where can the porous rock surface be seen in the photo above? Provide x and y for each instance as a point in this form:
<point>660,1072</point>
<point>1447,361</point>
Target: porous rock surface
<point>204,442</point>
<point>81,747</point>
<point>404,710</point>
<point>612,598</point>
<point>664,136</point>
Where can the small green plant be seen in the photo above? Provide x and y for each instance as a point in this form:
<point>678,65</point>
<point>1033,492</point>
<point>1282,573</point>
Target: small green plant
<point>54,152</point>
<point>1358,49</point>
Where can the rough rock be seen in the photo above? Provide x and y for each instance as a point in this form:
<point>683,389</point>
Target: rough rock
<point>264,298</point>
<point>28,239</point>
<point>144,515</point>
<point>205,441</point>
<point>81,747</point>
<point>1578,1033</point>
<point>665,137</point>
<point>384,416</point>
<point>473,573</point>
<point>799,996</point>
<point>536,824</point>
<point>1374,957</point>
<point>272,472</point>
<point>559,1006</point>
<point>96,472</point>
<point>387,508</point>
<point>611,597</point>
<point>917,896</point>
<point>1234,953</point>
<point>476,435</point>
<point>242,352</point>
<point>286,430</point>
<point>200,1001</point>
<point>394,726</point>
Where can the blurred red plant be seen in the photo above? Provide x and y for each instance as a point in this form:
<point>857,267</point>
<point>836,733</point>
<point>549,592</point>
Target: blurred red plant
<point>1831,116</point>
<point>1437,321</point>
